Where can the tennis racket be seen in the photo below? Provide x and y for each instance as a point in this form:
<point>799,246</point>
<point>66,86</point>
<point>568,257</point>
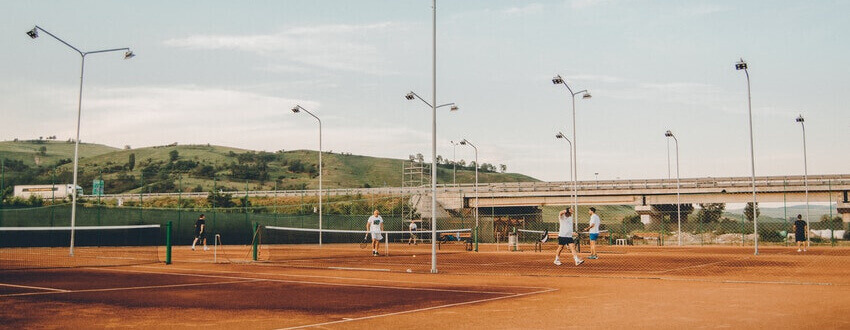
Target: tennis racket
<point>544,237</point>
<point>364,242</point>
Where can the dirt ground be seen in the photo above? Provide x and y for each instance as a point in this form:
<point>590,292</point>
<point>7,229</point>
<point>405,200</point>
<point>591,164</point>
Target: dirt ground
<point>632,287</point>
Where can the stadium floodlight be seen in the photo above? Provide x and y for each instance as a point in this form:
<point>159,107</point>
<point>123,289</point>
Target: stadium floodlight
<point>410,96</point>
<point>669,134</point>
<point>557,80</point>
<point>297,109</point>
<point>742,65</point>
<point>127,54</point>
<point>466,142</point>
<point>802,121</point>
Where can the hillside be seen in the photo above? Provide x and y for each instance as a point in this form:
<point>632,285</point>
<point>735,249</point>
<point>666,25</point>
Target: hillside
<point>201,167</point>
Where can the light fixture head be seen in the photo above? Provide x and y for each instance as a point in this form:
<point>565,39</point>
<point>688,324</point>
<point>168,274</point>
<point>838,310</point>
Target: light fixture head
<point>463,142</point>
<point>33,33</point>
<point>560,136</point>
<point>454,108</point>
<point>586,95</point>
<point>296,109</point>
<point>668,133</point>
<point>129,54</point>
<point>800,119</point>
<point>741,65</point>
<point>409,96</point>
<point>557,80</point>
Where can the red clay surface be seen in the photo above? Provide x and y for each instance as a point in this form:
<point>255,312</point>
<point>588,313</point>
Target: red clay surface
<point>636,287</point>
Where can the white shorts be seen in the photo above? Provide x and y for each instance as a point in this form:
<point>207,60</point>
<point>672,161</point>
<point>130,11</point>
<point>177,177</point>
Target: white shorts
<point>376,235</point>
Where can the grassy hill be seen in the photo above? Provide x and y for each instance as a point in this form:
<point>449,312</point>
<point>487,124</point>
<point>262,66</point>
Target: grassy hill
<point>202,167</point>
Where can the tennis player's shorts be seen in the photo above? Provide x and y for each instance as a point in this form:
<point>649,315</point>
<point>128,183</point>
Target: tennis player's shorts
<point>565,240</point>
<point>200,235</point>
<point>593,236</point>
<point>376,235</point>
<point>799,237</point>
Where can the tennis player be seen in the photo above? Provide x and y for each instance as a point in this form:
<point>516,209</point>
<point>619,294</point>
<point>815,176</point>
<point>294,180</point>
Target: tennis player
<point>412,238</point>
<point>593,232</point>
<point>375,226</point>
<point>200,232</point>
<point>800,231</point>
<point>565,237</point>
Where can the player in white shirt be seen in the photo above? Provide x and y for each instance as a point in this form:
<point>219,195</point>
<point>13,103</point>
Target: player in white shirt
<point>565,237</point>
<point>375,226</point>
<point>593,231</point>
<point>412,238</point>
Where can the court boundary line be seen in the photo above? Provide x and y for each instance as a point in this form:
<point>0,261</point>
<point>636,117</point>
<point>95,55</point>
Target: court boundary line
<point>31,287</point>
<point>126,288</point>
<point>315,283</point>
<point>344,320</point>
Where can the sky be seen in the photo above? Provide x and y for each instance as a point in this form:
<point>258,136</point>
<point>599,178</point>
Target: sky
<point>228,73</point>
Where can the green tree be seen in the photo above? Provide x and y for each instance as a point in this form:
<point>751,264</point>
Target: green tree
<point>748,211</point>
<point>42,150</point>
<point>173,155</point>
<point>131,161</point>
<point>710,212</point>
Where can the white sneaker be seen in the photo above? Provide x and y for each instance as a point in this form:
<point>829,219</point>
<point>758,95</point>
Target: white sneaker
<point>193,249</point>
<point>206,248</point>
<point>579,262</point>
<point>557,262</point>
<point>798,250</point>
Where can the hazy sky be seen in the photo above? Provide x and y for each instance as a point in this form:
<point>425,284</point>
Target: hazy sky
<point>227,73</point>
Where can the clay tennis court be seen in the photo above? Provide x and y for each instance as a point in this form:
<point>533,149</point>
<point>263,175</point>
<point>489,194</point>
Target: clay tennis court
<point>627,287</point>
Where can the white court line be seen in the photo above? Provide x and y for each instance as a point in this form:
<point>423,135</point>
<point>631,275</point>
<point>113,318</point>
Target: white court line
<point>331,277</point>
<point>32,287</point>
<point>125,288</point>
<point>365,269</point>
<point>417,310</point>
<point>316,283</point>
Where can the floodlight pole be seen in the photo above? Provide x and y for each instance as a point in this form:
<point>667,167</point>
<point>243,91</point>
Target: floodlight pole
<point>560,81</point>
<point>296,109</point>
<point>562,136</point>
<point>454,162</point>
<point>465,142</point>
<point>801,120</point>
<point>128,54</point>
<point>669,134</point>
<point>743,66</point>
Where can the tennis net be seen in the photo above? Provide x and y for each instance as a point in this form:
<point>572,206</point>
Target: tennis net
<point>94,246</point>
<point>300,246</point>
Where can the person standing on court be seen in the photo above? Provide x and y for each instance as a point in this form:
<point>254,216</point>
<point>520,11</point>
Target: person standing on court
<point>412,233</point>
<point>200,232</point>
<point>565,236</point>
<point>800,233</point>
<point>375,225</point>
<point>593,231</point>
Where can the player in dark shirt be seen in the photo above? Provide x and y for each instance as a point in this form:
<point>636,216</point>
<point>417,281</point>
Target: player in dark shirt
<point>800,233</point>
<point>200,232</point>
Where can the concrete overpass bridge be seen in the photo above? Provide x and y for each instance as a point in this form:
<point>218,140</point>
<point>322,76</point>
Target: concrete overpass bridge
<point>645,195</point>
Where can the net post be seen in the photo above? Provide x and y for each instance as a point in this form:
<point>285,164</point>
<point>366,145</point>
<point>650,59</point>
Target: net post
<point>254,242</point>
<point>168,243</point>
<point>475,237</point>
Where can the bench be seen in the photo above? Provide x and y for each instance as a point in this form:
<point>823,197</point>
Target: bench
<point>464,237</point>
<point>647,236</point>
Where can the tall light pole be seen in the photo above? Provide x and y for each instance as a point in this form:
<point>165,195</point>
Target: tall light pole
<point>454,162</point>
<point>741,65</point>
<point>466,142</point>
<point>572,178</point>
<point>557,80</point>
<point>297,109</point>
<point>410,96</point>
<point>669,134</point>
<point>127,55</point>
<point>802,121</point>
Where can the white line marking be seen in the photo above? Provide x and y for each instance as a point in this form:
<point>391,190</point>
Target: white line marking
<point>366,269</point>
<point>317,283</point>
<point>127,288</point>
<point>32,287</point>
<point>417,310</point>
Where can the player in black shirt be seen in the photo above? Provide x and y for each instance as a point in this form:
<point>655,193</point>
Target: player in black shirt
<point>200,232</point>
<point>800,233</point>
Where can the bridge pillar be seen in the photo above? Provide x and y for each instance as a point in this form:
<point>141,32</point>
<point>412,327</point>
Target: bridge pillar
<point>648,214</point>
<point>844,209</point>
